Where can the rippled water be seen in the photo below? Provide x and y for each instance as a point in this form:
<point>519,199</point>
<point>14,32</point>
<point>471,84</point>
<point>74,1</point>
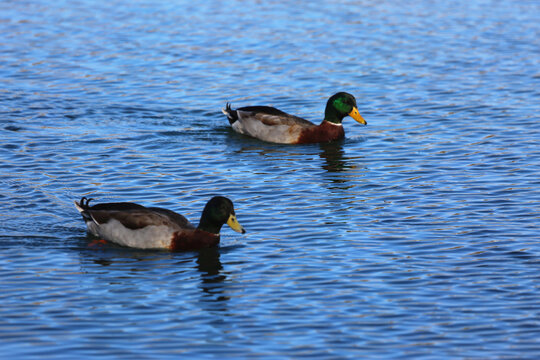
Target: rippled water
<point>415,237</point>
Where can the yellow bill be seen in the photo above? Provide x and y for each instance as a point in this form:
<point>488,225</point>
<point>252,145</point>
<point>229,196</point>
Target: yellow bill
<point>356,116</point>
<point>235,225</point>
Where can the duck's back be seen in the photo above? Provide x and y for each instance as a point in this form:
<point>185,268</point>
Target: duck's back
<point>271,116</point>
<point>174,217</point>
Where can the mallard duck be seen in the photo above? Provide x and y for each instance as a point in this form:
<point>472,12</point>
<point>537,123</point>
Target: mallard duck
<point>273,125</point>
<point>134,225</point>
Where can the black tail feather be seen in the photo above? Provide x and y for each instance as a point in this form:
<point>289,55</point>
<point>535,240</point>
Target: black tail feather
<point>84,203</point>
<point>232,115</point>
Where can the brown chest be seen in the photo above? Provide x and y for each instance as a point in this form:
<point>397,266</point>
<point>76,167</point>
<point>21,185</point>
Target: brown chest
<point>325,132</point>
<point>193,240</point>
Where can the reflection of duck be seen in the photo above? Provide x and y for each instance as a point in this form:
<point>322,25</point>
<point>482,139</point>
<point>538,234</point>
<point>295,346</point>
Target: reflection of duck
<point>212,278</point>
<point>333,155</point>
<point>273,125</point>
<point>126,266</point>
<point>134,225</point>
<point>209,265</point>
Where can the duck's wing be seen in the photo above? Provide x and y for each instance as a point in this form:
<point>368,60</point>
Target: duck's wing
<point>267,123</point>
<point>83,206</point>
<point>131,215</point>
<point>132,219</point>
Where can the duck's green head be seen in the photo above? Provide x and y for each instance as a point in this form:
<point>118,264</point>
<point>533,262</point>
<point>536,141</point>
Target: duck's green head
<point>341,105</point>
<point>218,211</point>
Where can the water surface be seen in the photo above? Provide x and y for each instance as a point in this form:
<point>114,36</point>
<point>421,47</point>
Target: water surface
<point>414,237</point>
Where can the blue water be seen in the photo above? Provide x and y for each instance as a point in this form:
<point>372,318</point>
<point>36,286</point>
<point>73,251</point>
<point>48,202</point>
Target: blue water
<point>415,237</point>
